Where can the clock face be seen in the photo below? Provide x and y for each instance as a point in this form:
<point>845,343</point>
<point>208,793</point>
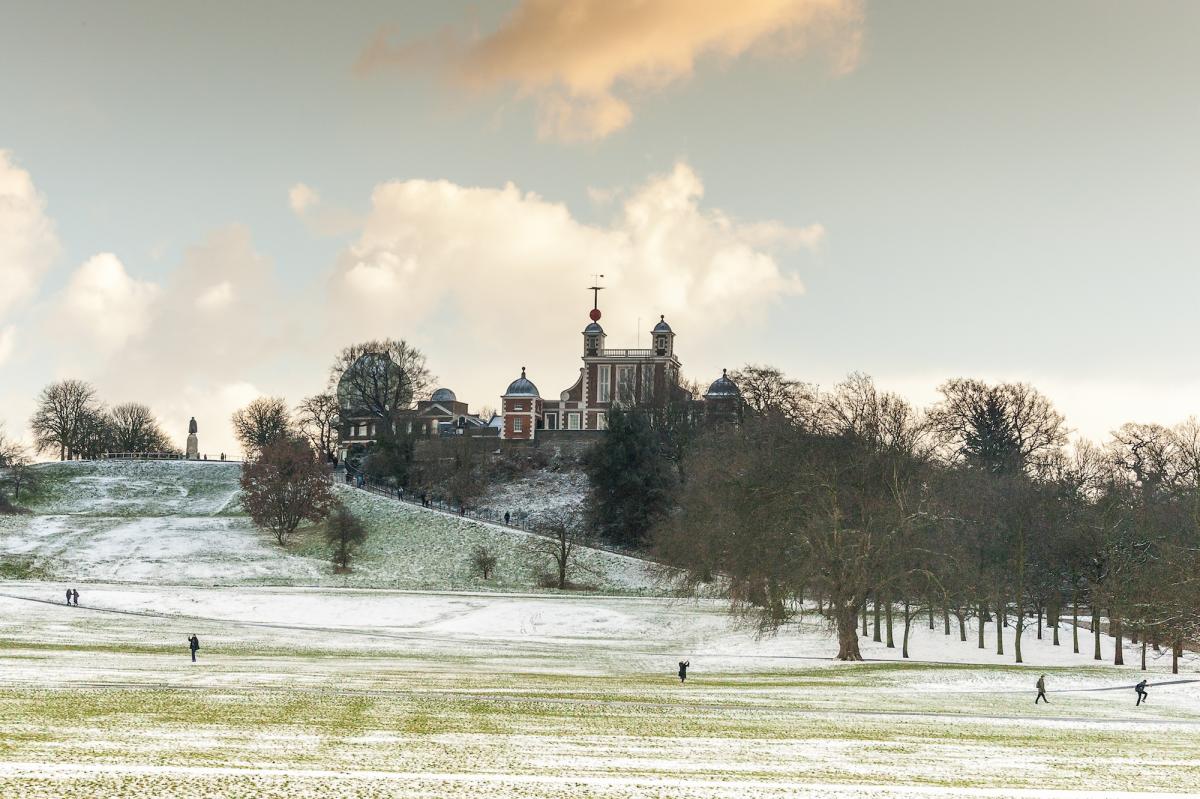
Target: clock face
<point>563,396</point>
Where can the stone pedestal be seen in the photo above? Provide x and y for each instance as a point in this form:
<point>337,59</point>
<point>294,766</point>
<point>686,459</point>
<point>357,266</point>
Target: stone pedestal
<point>193,443</point>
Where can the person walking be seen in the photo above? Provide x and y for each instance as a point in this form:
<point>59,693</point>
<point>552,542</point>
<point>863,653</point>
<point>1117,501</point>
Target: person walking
<point>507,517</point>
<point>683,667</point>
<point>193,644</point>
<point>68,596</point>
<point>1141,691</point>
<point>1041,686</point>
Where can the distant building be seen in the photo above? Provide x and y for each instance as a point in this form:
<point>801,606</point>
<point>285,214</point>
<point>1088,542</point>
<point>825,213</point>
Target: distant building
<point>442,414</point>
<point>611,377</point>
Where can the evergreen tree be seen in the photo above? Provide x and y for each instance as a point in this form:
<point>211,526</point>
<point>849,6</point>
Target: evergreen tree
<point>631,479</point>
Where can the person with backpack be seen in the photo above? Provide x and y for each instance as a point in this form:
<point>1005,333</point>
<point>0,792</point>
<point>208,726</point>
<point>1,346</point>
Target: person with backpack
<point>683,667</point>
<point>1141,691</point>
<point>1041,686</point>
<point>193,644</point>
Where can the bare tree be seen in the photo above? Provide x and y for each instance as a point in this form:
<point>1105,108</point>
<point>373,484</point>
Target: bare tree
<point>263,422</point>
<point>66,419</point>
<point>767,390</point>
<point>316,418</point>
<point>344,532</point>
<point>380,379</point>
<point>483,560</point>
<point>559,534</point>
<point>285,486</point>
<point>133,428</point>
<point>1002,427</point>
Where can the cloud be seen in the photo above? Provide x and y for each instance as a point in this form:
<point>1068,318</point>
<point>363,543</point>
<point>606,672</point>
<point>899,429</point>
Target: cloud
<point>28,244</point>
<point>104,305</point>
<point>576,59</point>
<point>496,277</point>
<point>301,198</point>
<point>8,342</point>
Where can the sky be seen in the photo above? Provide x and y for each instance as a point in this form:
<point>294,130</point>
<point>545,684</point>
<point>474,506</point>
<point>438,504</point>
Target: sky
<point>202,204</point>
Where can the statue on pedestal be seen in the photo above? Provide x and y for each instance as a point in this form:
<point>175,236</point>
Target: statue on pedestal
<point>193,443</point>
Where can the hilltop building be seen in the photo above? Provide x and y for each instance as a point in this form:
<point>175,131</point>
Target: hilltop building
<point>611,377</point>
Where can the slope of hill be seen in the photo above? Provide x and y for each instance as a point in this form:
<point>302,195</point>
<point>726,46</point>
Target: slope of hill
<point>180,523</point>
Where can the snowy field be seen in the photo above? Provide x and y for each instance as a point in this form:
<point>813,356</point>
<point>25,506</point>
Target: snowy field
<point>179,523</point>
<point>311,685</point>
<point>367,693</point>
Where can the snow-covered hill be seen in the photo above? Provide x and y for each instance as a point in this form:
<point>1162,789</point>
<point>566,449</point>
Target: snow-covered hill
<point>180,523</point>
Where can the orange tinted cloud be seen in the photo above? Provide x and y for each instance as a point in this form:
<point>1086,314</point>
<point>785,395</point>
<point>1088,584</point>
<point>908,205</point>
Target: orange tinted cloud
<point>576,59</point>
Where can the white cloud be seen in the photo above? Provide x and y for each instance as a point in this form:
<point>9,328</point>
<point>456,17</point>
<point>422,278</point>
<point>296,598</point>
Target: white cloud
<point>498,277</point>
<point>575,60</point>
<point>28,244</point>
<point>8,342</point>
<point>105,305</point>
<point>301,198</point>
<point>217,297</point>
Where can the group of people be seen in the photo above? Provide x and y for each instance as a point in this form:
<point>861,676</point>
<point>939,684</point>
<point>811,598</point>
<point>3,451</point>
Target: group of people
<point>72,597</point>
<point>1140,689</point>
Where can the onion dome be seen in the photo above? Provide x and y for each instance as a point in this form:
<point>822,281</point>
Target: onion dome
<point>522,387</point>
<point>443,395</point>
<point>662,326</point>
<point>722,387</point>
<point>593,329</point>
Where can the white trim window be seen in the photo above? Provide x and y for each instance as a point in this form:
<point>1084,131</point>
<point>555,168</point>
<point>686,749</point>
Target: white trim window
<point>572,421</point>
<point>626,384</point>
<point>647,382</point>
<point>518,424</point>
<point>603,383</point>
<point>552,421</point>
<point>601,421</point>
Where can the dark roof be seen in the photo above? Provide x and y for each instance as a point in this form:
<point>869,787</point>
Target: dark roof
<point>522,387</point>
<point>592,328</point>
<point>443,395</point>
<point>723,387</point>
<point>662,326</point>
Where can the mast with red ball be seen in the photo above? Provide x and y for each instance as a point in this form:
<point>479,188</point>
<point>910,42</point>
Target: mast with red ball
<point>596,289</point>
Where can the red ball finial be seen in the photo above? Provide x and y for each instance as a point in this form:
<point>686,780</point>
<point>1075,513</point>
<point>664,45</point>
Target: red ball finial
<point>595,314</point>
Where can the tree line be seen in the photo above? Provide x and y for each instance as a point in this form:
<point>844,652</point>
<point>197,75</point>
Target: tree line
<point>854,504</point>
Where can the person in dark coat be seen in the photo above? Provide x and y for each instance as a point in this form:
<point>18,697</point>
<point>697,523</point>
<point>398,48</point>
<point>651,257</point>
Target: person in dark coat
<point>193,644</point>
<point>68,596</point>
<point>507,517</point>
<point>1041,686</point>
<point>683,667</point>
<point>1141,692</point>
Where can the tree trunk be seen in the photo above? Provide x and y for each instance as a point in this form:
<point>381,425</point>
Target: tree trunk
<point>962,625</point>
<point>864,618</point>
<point>907,625</point>
<point>846,618</point>
<point>877,608</point>
<point>1055,609</point>
<point>1143,653</point>
<point>1075,618</point>
<point>1020,627</point>
<point>946,618</point>
<point>931,616</point>
<point>887,613</point>
<point>1000,625</point>
<point>1039,626</point>
<point>1176,651</point>
<point>982,624</point>
<point>1096,631</point>
<point>1114,624</point>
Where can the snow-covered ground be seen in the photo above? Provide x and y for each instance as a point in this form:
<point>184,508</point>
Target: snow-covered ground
<point>175,522</point>
<point>538,492</point>
<point>322,692</point>
<point>340,691</point>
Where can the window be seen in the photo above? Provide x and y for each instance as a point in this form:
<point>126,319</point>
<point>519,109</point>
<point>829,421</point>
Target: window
<point>572,421</point>
<point>601,421</point>
<point>603,379</point>
<point>518,424</point>
<point>647,382</point>
<point>660,344</point>
<point>626,375</point>
<point>552,421</point>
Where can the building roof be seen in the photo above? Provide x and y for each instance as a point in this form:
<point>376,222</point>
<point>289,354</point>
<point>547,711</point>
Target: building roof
<point>662,326</point>
<point>443,395</point>
<point>722,387</point>
<point>522,387</point>
<point>593,328</point>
